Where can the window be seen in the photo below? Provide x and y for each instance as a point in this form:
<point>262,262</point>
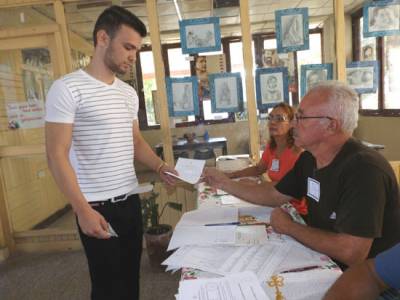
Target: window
<point>386,50</point>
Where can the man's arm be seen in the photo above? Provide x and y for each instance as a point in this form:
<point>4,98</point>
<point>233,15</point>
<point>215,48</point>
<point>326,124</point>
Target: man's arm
<point>359,282</point>
<point>146,155</point>
<point>58,144</point>
<point>262,194</point>
<point>346,248</point>
<point>256,170</point>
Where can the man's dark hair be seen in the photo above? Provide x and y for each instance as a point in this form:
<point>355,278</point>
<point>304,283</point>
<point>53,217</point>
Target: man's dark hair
<point>113,17</point>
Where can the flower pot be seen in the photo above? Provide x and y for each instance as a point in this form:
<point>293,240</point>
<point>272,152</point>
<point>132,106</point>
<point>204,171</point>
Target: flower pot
<point>157,240</point>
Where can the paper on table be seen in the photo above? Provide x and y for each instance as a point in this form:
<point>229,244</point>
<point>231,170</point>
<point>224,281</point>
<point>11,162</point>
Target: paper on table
<point>205,235</point>
<point>234,201</point>
<point>189,170</point>
<point>224,260</point>
<point>235,287</point>
<point>297,285</point>
<point>209,216</point>
<point>251,235</point>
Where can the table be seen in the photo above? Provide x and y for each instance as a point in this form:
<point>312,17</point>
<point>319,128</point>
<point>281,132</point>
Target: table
<point>198,143</point>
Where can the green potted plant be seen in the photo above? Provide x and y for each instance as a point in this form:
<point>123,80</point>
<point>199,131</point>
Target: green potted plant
<point>157,236</point>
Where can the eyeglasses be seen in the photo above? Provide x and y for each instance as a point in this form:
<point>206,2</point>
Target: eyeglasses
<point>277,118</point>
<point>297,118</point>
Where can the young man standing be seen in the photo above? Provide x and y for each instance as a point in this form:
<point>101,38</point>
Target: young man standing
<point>92,139</point>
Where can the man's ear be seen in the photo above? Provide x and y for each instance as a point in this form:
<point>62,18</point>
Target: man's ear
<point>102,38</point>
<point>333,125</point>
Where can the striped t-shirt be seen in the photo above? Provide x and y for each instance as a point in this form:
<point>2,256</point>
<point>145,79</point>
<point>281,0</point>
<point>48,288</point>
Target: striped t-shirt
<point>102,115</point>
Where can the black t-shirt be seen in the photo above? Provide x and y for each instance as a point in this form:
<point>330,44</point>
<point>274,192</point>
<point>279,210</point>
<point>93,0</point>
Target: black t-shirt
<point>358,194</point>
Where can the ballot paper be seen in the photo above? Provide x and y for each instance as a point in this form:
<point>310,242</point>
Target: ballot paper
<point>212,215</point>
<point>224,260</point>
<point>235,201</point>
<point>238,286</point>
<point>205,235</point>
<point>251,235</point>
<point>189,170</point>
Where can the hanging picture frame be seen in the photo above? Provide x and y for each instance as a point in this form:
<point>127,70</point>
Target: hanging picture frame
<point>363,76</point>
<point>200,35</point>
<point>272,87</point>
<point>182,94</point>
<point>312,74</point>
<point>291,27</point>
<point>381,18</point>
<point>226,92</point>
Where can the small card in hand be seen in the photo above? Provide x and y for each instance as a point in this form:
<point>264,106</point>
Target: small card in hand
<point>111,231</point>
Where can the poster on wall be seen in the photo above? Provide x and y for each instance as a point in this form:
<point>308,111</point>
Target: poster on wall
<point>381,18</point>
<point>25,114</point>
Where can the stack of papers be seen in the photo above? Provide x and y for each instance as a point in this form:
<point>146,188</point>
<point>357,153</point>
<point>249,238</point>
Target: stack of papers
<point>263,260</point>
<point>234,287</point>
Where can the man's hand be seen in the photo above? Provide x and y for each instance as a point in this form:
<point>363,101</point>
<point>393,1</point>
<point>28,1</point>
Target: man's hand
<point>93,224</point>
<point>165,177</point>
<point>281,221</point>
<point>215,178</point>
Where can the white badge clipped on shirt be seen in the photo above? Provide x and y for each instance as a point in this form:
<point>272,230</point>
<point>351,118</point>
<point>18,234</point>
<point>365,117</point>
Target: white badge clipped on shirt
<point>275,165</point>
<point>313,189</point>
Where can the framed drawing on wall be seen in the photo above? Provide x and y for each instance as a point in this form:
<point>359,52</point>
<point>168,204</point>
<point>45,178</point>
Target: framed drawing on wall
<point>226,92</point>
<point>182,96</point>
<point>312,74</point>
<point>363,76</point>
<point>200,35</point>
<point>291,27</point>
<point>271,87</point>
<point>381,18</point>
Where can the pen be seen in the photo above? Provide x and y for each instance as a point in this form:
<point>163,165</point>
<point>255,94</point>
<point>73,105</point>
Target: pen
<point>223,224</point>
<point>301,269</point>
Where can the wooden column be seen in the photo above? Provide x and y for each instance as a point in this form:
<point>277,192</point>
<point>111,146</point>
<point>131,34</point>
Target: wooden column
<point>340,40</point>
<point>152,14</point>
<point>62,22</point>
<point>249,80</point>
<point>6,236</point>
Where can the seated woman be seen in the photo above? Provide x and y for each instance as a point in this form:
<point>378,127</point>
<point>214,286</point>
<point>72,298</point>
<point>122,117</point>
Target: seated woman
<point>280,154</point>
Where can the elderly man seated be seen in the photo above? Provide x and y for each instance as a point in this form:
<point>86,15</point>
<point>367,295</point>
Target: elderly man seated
<point>351,191</point>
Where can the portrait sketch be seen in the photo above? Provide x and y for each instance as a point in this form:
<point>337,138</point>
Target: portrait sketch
<point>226,92</point>
<point>271,87</point>
<point>182,96</point>
<point>381,18</point>
<point>200,35</point>
<point>313,74</point>
<point>368,52</point>
<point>362,76</point>
<point>291,26</point>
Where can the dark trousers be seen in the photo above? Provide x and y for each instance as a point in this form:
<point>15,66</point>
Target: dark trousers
<point>114,264</point>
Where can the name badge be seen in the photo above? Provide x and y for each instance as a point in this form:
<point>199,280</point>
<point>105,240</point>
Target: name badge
<point>275,165</point>
<point>313,189</point>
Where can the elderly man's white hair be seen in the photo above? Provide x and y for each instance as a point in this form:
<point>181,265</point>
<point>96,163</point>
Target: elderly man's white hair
<point>343,103</point>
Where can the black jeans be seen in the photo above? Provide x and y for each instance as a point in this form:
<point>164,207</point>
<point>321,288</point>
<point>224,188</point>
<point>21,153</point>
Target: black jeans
<point>114,264</point>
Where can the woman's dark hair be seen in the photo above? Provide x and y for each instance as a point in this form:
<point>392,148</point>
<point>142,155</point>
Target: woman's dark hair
<point>111,20</point>
<point>290,113</point>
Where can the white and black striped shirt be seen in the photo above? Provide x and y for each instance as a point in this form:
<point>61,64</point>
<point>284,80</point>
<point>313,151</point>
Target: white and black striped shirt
<point>102,115</point>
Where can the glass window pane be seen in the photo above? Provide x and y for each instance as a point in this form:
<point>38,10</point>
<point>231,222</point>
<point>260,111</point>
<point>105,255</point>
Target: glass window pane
<point>310,56</point>
<point>391,67</point>
<point>149,84</point>
<point>368,52</point>
<point>179,65</point>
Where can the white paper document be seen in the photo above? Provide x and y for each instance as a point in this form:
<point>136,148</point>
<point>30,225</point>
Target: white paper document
<point>189,170</point>
<point>224,260</point>
<point>235,201</point>
<point>213,215</point>
<point>251,235</point>
<point>240,286</point>
<point>202,235</point>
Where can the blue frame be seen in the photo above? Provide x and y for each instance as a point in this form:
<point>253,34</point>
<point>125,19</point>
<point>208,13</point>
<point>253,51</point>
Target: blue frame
<point>364,64</point>
<point>170,82</point>
<point>314,67</point>
<point>281,48</point>
<point>192,24</point>
<point>367,30</point>
<point>212,78</point>
<point>281,71</point>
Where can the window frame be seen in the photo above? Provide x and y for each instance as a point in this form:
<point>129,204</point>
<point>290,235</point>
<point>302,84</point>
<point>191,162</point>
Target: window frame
<point>380,55</point>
